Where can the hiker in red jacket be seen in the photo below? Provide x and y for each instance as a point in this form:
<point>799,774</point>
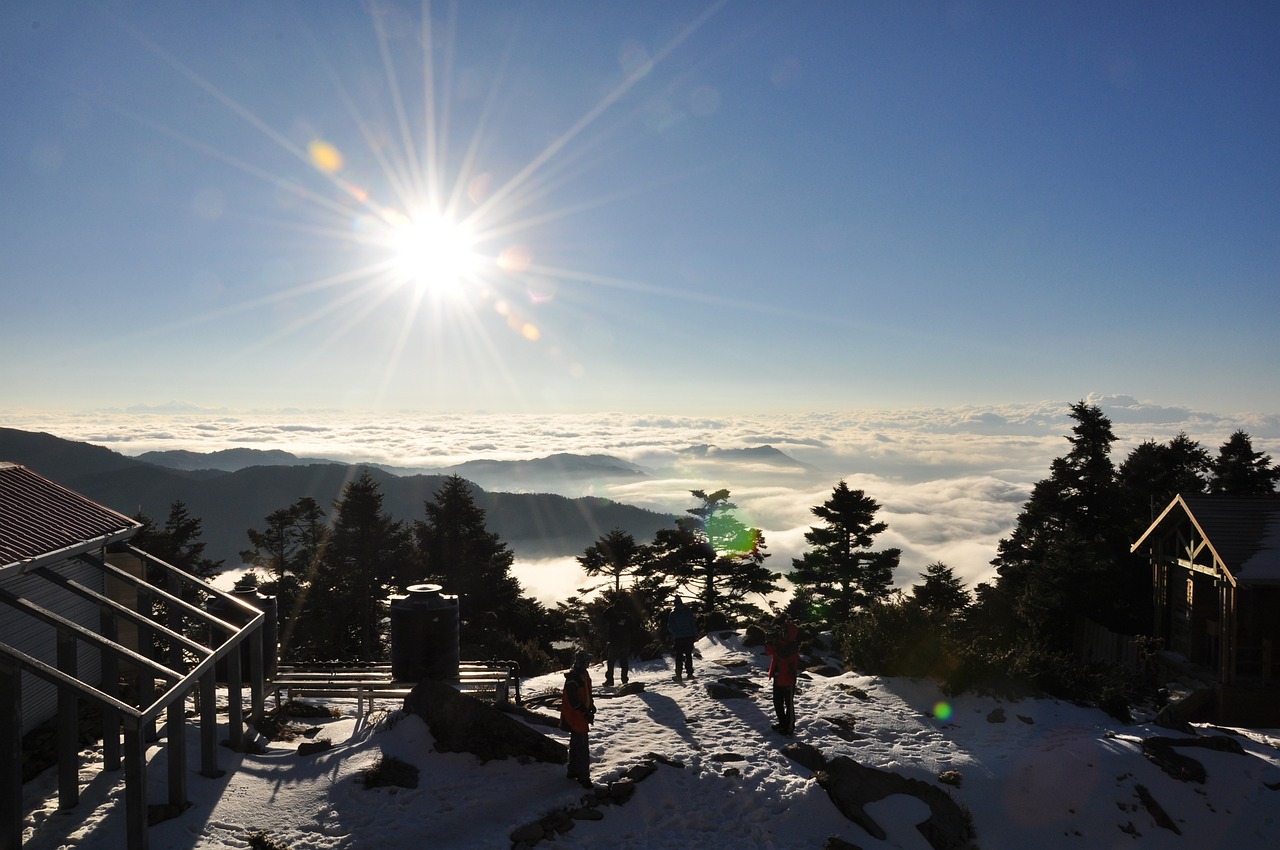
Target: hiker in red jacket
<point>784,668</point>
<point>577,710</point>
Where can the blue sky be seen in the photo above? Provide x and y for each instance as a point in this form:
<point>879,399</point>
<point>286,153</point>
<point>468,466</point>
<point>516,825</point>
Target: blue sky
<point>662,206</point>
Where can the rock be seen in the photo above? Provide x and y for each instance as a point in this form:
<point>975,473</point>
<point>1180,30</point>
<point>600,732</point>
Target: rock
<point>1156,811</point>
<point>530,833</point>
<point>1183,768</point>
<point>307,748</point>
<point>805,755</point>
<point>619,792</point>
<point>852,786</point>
<point>843,727</point>
<point>1030,721</point>
<point>1160,751</point>
<point>640,772</point>
<point>661,759</point>
<point>731,662</point>
<point>996,715</point>
<point>855,692</point>
<point>723,757</point>
<point>950,777</point>
<point>630,688</point>
<point>463,724</point>
<point>723,690</point>
<point>825,670</point>
<point>834,842</point>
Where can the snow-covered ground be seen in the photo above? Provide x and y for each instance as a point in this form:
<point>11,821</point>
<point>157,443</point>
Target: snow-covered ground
<point>1051,775</point>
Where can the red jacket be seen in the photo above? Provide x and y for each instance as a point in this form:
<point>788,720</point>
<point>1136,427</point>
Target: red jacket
<point>784,664</point>
<point>576,706</point>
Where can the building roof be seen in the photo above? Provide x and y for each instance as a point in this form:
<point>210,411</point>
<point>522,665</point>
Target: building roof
<point>40,519</point>
<point>1243,532</point>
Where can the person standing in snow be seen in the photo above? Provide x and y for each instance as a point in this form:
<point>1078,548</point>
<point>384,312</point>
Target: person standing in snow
<point>617,626</point>
<point>784,669</point>
<point>577,711</point>
<point>683,629</point>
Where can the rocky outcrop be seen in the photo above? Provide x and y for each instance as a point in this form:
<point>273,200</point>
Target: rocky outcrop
<point>852,786</point>
<point>464,724</point>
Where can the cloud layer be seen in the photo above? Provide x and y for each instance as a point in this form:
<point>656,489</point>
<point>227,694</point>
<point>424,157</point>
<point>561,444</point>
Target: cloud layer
<point>950,481</point>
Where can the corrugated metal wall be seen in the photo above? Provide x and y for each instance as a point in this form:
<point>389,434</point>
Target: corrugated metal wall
<point>38,639</point>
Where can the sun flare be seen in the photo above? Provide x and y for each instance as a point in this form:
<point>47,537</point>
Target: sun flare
<point>432,253</point>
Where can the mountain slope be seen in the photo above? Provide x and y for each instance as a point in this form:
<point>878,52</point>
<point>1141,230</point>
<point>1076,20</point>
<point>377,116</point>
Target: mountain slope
<point>228,504</point>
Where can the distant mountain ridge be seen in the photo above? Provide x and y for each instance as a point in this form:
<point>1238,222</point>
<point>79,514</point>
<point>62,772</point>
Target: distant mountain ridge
<point>226,460</point>
<point>229,503</point>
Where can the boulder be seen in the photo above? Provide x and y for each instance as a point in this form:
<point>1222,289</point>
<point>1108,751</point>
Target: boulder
<point>464,724</point>
<point>851,786</point>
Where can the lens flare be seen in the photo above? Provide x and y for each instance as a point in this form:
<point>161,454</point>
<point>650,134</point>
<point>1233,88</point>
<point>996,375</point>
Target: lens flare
<point>942,710</point>
<point>325,156</point>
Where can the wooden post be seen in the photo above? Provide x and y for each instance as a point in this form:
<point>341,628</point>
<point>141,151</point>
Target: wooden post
<point>135,787</point>
<point>68,725</point>
<point>110,686</point>
<point>10,757</point>
<point>176,750</point>
<point>257,675</point>
<point>209,726</point>
<point>235,701</point>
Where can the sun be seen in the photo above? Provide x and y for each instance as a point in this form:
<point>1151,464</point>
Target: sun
<point>432,253</point>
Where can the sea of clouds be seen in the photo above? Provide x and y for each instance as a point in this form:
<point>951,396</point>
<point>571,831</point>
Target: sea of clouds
<point>950,481</point>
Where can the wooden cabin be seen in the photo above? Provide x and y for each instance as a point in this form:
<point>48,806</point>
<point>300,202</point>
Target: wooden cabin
<point>1215,566</point>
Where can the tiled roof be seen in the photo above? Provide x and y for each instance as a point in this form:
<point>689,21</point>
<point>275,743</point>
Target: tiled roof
<point>38,518</point>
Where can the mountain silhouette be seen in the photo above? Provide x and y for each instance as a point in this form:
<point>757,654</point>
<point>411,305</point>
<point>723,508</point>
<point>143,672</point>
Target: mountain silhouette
<point>534,525</point>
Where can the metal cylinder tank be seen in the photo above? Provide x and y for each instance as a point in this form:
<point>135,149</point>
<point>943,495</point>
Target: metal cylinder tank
<point>247,591</point>
<point>424,635</point>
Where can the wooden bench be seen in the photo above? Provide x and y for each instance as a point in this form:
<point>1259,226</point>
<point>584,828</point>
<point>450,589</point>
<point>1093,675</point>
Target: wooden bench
<point>489,680</point>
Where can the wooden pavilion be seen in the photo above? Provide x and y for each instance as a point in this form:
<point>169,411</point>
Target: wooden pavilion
<point>1215,563</point>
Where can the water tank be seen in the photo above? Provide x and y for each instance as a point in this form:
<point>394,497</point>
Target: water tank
<point>424,635</point>
<point>246,590</point>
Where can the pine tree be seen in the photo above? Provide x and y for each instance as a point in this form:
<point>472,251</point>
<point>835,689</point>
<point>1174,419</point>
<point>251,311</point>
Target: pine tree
<point>1068,555</point>
<point>942,592</point>
<point>1238,470</point>
<point>715,558</point>
<point>616,555</point>
<point>178,543</point>
<point>289,549</point>
<point>1154,473</point>
<point>840,572</point>
<point>458,552</point>
<point>348,594</point>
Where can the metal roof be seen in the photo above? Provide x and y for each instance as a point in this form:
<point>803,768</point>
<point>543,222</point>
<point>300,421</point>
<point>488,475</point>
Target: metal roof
<point>1243,532</point>
<point>39,519</point>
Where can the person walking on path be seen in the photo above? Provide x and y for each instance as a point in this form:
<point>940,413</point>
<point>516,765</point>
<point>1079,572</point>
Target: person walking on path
<point>683,629</point>
<point>617,625</point>
<point>577,711</point>
<point>784,669</point>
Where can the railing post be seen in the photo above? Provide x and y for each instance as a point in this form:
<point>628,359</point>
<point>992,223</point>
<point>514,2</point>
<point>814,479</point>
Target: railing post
<point>11,755</point>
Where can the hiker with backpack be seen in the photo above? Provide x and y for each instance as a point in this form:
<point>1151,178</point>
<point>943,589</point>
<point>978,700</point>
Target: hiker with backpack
<point>682,627</point>
<point>783,648</point>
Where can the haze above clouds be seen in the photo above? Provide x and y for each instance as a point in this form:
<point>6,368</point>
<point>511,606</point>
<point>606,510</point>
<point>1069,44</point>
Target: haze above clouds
<point>950,481</point>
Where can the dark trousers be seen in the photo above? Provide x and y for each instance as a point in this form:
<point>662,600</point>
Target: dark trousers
<point>579,756</point>
<point>683,647</point>
<point>620,655</point>
<point>784,705</point>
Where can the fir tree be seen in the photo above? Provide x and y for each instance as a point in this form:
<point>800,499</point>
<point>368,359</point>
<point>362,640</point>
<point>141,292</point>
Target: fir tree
<point>841,573</point>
